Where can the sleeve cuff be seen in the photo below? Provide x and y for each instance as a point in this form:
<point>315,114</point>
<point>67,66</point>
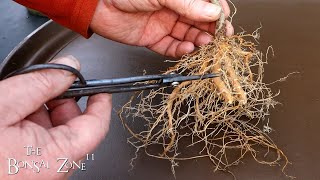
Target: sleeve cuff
<point>82,16</point>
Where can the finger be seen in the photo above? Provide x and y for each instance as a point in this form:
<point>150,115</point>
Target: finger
<point>197,37</point>
<point>207,27</point>
<point>212,28</point>
<point>196,10</point>
<point>40,117</point>
<point>229,28</point>
<point>170,46</point>
<point>192,34</point>
<point>180,30</point>
<point>183,25</point>
<point>179,48</point>
<point>225,7</point>
<point>25,93</point>
<point>61,111</point>
<point>203,38</point>
<point>85,132</point>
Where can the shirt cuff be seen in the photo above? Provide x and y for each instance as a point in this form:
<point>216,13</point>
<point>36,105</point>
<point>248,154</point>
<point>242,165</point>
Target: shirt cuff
<point>73,14</point>
<point>82,16</point>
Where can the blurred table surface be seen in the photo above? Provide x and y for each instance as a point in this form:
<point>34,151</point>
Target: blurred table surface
<point>16,23</point>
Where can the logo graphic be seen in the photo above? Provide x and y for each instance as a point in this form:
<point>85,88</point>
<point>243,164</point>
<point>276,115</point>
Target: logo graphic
<point>64,164</point>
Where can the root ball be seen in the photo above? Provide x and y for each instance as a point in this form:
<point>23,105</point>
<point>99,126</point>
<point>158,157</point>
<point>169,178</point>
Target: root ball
<point>220,119</point>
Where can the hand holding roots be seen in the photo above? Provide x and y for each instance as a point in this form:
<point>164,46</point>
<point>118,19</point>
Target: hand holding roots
<point>222,116</point>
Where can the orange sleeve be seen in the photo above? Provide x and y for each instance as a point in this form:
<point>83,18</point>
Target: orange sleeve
<point>73,14</point>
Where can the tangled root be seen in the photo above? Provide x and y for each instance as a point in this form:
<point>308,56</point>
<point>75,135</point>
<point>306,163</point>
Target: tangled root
<point>220,119</point>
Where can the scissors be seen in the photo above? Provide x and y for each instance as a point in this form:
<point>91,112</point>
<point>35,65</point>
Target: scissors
<point>84,87</point>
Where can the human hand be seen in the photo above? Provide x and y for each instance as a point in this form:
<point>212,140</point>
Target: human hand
<point>62,131</point>
<point>171,28</point>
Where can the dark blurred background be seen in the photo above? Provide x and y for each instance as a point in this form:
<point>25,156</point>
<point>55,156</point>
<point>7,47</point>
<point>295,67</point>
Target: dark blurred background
<point>16,23</point>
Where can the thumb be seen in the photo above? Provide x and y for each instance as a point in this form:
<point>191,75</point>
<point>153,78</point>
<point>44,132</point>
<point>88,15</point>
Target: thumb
<point>85,132</point>
<point>24,94</point>
<point>197,10</point>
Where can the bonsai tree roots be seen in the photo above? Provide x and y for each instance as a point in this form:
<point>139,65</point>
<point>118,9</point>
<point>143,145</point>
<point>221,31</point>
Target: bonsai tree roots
<point>221,115</point>
<point>221,119</point>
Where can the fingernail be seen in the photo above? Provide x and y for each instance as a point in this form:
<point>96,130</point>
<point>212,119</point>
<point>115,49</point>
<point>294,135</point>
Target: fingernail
<point>212,11</point>
<point>69,61</point>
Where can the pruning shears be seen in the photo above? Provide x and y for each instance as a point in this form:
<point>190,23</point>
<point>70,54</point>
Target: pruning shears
<point>84,87</point>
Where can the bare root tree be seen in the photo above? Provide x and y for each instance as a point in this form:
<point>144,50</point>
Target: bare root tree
<point>223,116</point>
